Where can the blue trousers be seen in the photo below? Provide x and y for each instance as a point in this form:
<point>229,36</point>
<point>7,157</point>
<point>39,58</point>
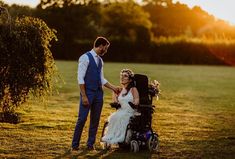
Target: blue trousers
<point>95,99</point>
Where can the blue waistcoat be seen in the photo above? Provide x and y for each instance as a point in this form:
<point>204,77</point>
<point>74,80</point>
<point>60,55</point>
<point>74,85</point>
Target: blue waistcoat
<point>93,74</point>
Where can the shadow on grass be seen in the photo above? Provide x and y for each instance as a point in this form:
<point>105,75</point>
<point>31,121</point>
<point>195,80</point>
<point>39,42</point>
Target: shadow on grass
<point>82,153</point>
<point>114,154</point>
<point>221,147</point>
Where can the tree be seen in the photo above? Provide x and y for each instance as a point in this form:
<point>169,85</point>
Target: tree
<point>75,24</point>
<point>20,11</point>
<point>26,62</point>
<point>176,19</point>
<point>63,3</point>
<point>127,21</point>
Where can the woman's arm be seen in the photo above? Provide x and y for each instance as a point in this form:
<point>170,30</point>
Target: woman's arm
<point>114,97</point>
<point>135,94</point>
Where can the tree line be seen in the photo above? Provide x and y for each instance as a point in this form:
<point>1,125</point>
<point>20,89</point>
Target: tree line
<point>134,30</point>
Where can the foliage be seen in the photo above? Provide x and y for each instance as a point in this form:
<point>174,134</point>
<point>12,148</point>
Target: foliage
<point>178,19</point>
<point>20,11</point>
<point>26,63</point>
<point>2,3</point>
<point>75,24</point>
<point>126,21</point>
<point>63,3</point>
<point>133,29</point>
<point>175,50</point>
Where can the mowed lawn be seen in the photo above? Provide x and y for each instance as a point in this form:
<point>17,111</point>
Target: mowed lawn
<point>194,116</point>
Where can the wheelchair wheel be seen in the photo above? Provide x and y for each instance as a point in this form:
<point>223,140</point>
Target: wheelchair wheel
<point>153,142</point>
<point>134,146</point>
<point>128,136</point>
<point>123,146</point>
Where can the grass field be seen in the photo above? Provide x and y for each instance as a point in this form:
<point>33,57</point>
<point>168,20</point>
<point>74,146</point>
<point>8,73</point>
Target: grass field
<point>195,116</point>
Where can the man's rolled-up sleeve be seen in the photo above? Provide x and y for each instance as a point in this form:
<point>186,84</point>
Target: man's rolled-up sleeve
<point>83,63</point>
<point>103,80</point>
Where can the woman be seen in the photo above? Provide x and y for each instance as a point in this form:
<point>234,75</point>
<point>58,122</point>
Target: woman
<point>118,121</point>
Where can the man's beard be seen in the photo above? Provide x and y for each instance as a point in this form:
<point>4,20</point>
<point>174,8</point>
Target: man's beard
<point>103,52</point>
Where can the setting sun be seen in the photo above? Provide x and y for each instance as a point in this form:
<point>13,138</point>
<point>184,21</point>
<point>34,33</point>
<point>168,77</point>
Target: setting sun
<point>220,9</point>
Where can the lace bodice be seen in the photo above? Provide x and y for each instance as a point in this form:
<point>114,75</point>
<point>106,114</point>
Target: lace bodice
<point>123,100</point>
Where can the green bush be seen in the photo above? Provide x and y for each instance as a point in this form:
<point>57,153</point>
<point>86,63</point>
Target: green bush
<point>26,62</point>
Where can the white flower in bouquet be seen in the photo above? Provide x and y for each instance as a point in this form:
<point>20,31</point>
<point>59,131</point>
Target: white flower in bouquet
<point>155,88</point>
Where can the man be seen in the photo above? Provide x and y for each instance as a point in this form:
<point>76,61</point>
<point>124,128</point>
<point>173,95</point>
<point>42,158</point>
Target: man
<point>91,79</point>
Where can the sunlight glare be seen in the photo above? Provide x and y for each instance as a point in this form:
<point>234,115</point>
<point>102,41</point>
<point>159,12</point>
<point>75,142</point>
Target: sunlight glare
<point>220,9</point>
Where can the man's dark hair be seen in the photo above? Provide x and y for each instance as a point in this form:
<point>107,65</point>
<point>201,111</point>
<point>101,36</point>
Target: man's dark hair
<point>101,41</point>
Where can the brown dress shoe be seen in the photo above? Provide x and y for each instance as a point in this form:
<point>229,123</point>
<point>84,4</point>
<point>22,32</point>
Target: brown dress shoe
<point>75,149</point>
<point>90,148</point>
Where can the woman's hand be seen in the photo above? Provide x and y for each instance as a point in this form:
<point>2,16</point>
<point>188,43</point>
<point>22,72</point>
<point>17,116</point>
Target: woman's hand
<point>117,90</point>
<point>115,105</point>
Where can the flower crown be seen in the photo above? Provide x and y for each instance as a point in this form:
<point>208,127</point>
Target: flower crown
<point>128,71</point>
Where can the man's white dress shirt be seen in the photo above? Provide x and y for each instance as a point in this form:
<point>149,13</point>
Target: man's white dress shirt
<point>83,63</point>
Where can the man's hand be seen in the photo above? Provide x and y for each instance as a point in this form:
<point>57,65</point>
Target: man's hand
<point>117,90</point>
<point>85,101</point>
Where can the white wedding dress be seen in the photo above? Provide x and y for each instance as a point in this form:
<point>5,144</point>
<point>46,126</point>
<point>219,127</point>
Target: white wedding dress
<point>118,121</point>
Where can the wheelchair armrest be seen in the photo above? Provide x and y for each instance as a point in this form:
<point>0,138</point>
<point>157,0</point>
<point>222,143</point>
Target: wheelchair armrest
<point>115,105</point>
<point>147,106</point>
<point>133,106</point>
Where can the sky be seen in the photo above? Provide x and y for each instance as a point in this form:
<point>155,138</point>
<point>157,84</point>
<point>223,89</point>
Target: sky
<point>32,3</point>
<point>223,9</point>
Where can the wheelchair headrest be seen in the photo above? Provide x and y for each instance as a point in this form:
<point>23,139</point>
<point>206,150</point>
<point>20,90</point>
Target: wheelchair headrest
<point>141,83</point>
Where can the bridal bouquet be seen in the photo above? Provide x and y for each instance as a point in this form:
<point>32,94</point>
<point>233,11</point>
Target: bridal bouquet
<point>154,88</point>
